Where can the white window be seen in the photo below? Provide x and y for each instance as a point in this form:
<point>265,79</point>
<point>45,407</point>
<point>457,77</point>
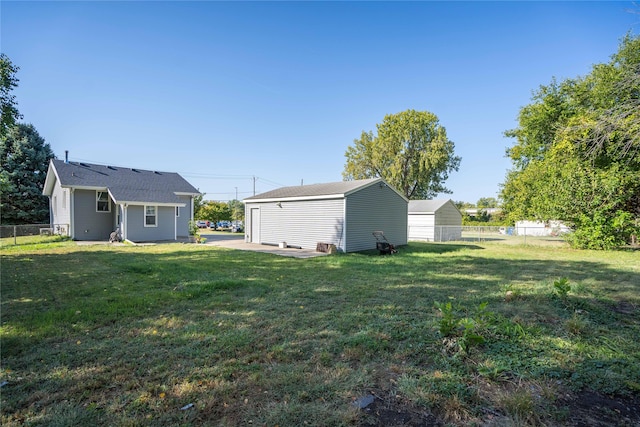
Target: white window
<point>64,199</point>
<point>150,216</point>
<point>103,204</point>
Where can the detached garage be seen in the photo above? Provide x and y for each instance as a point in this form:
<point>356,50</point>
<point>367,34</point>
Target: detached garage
<point>342,213</point>
<point>434,221</point>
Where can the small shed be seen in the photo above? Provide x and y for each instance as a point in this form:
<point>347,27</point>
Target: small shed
<point>344,214</point>
<point>434,221</point>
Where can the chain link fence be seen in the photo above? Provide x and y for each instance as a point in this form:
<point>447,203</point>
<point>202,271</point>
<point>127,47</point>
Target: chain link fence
<point>444,233</point>
<point>15,231</point>
<point>507,234</point>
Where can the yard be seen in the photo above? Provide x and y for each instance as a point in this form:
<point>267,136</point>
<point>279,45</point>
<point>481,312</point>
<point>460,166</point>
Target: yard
<point>474,333</point>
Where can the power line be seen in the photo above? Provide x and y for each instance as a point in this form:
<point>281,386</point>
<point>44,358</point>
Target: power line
<point>213,176</point>
<point>202,175</point>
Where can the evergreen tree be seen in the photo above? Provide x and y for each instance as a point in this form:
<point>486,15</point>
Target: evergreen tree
<point>8,81</point>
<point>24,159</point>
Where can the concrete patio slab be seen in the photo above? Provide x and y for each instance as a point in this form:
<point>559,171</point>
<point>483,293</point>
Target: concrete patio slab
<point>234,241</point>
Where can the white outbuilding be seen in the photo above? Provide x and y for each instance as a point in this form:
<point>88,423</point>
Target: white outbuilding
<point>344,214</point>
<point>434,221</point>
<point>541,228</point>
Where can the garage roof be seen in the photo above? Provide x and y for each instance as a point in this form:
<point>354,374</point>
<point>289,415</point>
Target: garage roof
<point>317,191</point>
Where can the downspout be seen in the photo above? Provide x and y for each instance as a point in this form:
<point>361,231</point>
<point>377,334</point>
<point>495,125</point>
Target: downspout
<point>344,224</point>
<point>125,223</point>
<point>72,204</point>
<point>175,223</point>
<point>51,218</point>
<point>121,216</point>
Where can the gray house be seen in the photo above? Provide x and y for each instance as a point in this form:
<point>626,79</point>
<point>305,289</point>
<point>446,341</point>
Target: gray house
<point>94,200</point>
<point>434,221</point>
<point>342,213</point>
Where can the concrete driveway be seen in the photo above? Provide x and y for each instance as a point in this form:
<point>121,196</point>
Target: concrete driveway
<point>236,241</point>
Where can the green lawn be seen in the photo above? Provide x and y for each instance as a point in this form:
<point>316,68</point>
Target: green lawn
<point>101,335</point>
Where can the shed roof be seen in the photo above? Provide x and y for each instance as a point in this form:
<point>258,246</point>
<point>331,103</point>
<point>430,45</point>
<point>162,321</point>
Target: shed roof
<point>318,191</point>
<point>426,206</point>
<point>126,185</point>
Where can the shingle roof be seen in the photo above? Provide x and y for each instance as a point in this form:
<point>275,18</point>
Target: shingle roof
<point>125,184</point>
<point>425,206</point>
<point>311,191</point>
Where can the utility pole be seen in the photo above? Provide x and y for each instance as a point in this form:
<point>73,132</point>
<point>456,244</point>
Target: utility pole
<point>235,210</point>
<point>254,185</point>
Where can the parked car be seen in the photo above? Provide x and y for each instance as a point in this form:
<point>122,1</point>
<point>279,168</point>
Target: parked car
<point>201,224</point>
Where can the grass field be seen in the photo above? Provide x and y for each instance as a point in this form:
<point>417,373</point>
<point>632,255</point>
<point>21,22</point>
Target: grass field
<point>179,334</point>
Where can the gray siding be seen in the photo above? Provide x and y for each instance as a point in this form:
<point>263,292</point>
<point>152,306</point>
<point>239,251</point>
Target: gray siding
<point>137,232</point>
<point>299,223</point>
<point>89,224</point>
<point>60,203</point>
<point>448,214</point>
<point>185,217</point>
<point>375,208</point>
<point>448,223</point>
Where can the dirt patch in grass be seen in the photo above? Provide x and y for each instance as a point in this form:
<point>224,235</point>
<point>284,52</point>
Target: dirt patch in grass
<point>389,410</point>
<point>588,408</point>
<point>583,409</point>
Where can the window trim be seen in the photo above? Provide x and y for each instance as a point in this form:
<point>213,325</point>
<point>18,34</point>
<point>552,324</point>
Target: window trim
<point>155,216</point>
<point>98,192</point>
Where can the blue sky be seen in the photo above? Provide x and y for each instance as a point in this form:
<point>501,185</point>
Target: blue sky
<point>222,92</point>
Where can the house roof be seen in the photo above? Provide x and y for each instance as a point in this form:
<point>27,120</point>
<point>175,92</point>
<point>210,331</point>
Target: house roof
<point>426,206</point>
<point>126,185</point>
<point>316,191</point>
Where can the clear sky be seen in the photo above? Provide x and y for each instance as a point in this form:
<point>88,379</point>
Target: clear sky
<point>222,92</point>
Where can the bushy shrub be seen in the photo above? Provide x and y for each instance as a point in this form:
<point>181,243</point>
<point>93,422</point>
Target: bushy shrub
<point>601,231</point>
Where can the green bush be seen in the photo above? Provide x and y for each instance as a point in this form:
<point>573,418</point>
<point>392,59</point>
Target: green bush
<point>603,230</point>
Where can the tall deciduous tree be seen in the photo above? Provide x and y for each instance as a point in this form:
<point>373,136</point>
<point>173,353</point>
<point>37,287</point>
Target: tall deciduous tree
<point>198,204</point>
<point>576,155</point>
<point>8,81</point>
<point>24,159</point>
<point>215,211</point>
<point>487,202</point>
<point>236,207</point>
<point>410,151</point>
